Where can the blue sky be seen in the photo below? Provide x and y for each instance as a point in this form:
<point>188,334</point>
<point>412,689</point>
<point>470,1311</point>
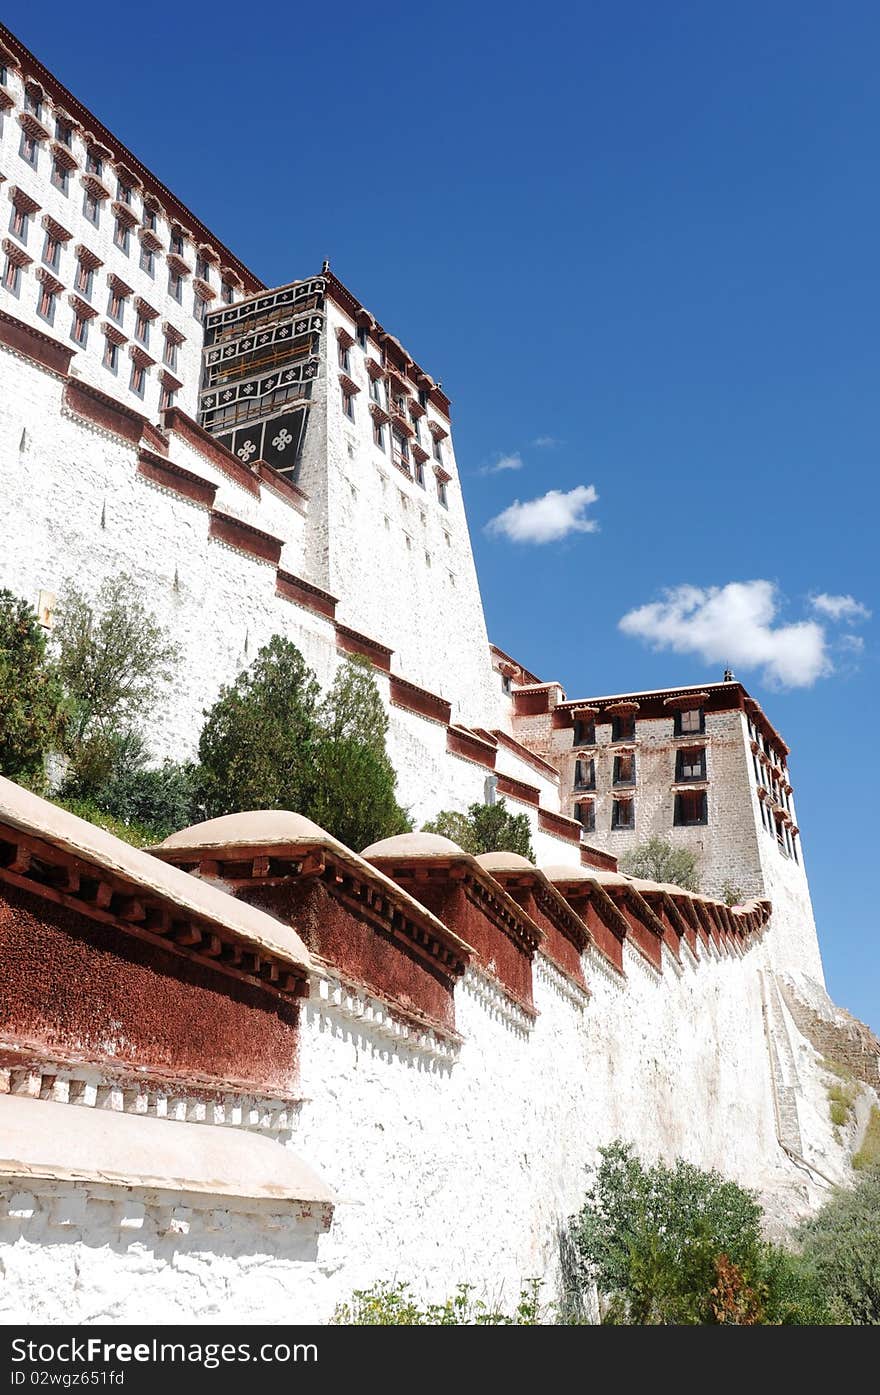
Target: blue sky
<point>638,244</point>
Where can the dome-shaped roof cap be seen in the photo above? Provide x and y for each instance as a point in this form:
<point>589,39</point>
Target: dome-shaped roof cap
<point>413,845</point>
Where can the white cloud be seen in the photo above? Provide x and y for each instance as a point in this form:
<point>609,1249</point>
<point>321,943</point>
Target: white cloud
<point>734,624</point>
<point>547,519</point>
<point>513,461</point>
<point>845,608</point>
<point>546,442</point>
<point>853,644</point>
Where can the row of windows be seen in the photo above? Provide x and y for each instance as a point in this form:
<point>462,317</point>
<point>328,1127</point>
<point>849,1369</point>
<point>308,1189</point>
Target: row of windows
<point>691,722</point>
<point>83,285</point>
<point>690,764</point>
<point>765,746</point>
<point>121,237</point>
<point>786,841</point>
<point>47,304</point>
<point>344,351</point>
<point>29,151</point>
<point>401,454</point>
<point>690,809</point>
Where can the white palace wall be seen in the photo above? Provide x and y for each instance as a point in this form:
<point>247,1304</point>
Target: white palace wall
<point>75,508</point>
<point>447,1166</point>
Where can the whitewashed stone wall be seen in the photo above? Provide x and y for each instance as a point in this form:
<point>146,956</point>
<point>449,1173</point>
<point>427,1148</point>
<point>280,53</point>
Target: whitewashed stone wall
<point>449,1165</point>
<point>76,509</point>
<point>399,561</point>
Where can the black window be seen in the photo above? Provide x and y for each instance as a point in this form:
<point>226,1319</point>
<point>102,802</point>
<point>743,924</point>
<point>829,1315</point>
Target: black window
<point>691,722</point>
<point>625,768</point>
<point>585,813</point>
<point>690,808</point>
<point>63,132</point>
<point>623,813</point>
<point>623,728</point>
<point>690,763</point>
<point>362,337</point>
<point>585,733</point>
<point>585,774</point>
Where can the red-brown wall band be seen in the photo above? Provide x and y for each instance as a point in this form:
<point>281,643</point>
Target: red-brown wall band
<point>78,990</point>
<point>359,948</point>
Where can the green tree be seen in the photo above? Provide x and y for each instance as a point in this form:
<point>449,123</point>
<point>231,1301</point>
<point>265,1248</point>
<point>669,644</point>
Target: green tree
<point>485,828</point>
<point>259,744</point>
<point>680,1245</point>
<point>658,861</point>
<point>114,658</point>
<point>32,707</point>
<point>842,1245</point>
<point>354,795</point>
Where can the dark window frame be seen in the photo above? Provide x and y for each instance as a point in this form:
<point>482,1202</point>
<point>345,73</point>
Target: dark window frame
<point>623,727</point>
<point>684,756</point>
<point>588,782</point>
<point>617,778</point>
<point>687,798</point>
<point>695,731</point>
<point>616,806</point>
<point>581,739</point>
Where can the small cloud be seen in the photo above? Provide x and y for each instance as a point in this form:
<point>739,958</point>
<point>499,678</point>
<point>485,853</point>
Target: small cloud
<point>854,644</point>
<point>547,442</point>
<point>547,519</point>
<point>845,608</point>
<point>734,624</point>
<point>513,461</point>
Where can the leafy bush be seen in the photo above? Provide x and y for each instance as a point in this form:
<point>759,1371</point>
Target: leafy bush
<point>658,861</point>
<point>260,739</point>
<point>32,706</point>
<point>485,828</point>
<point>841,1243</point>
<point>114,658</point>
<point>392,1305</point>
<point>869,1150</point>
<point>354,795</point>
<point>139,835</point>
<point>840,1100</point>
<point>677,1245</point>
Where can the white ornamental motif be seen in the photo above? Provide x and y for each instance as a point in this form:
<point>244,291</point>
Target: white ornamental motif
<point>283,439</point>
<point>246,451</point>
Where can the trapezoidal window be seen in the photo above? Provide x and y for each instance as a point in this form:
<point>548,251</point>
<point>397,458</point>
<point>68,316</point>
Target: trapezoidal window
<point>585,774</point>
<point>623,727</point>
<point>584,733</point>
<point>585,813</point>
<point>690,722</point>
<point>690,763</point>
<point>625,768</point>
<point>623,813</point>
<point>690,808</point>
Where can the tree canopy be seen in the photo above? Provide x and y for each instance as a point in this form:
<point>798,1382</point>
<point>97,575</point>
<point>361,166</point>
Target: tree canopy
<point>33,711</point>
<point>659,861</point>
<point>485,828</point>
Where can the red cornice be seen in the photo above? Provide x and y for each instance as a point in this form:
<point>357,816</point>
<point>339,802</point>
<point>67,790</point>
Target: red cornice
<point>354,643</point>
<point>281,485</point>
<point>559,825</point>
<point>303,593</point>
<point>420,700</point>
<point>163,472</point>
<point>32,344</point>
<point>518,789</point>
<point>245,537</point>
<point>86,401</point>
<point>460,742</point>
<point>176,421</point>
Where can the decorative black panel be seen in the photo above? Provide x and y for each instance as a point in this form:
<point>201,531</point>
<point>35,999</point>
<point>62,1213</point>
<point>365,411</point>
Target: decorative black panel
<point>288,295</point>
<point>278,442</point>
<point>259,387</point>
<point>262,338</point>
